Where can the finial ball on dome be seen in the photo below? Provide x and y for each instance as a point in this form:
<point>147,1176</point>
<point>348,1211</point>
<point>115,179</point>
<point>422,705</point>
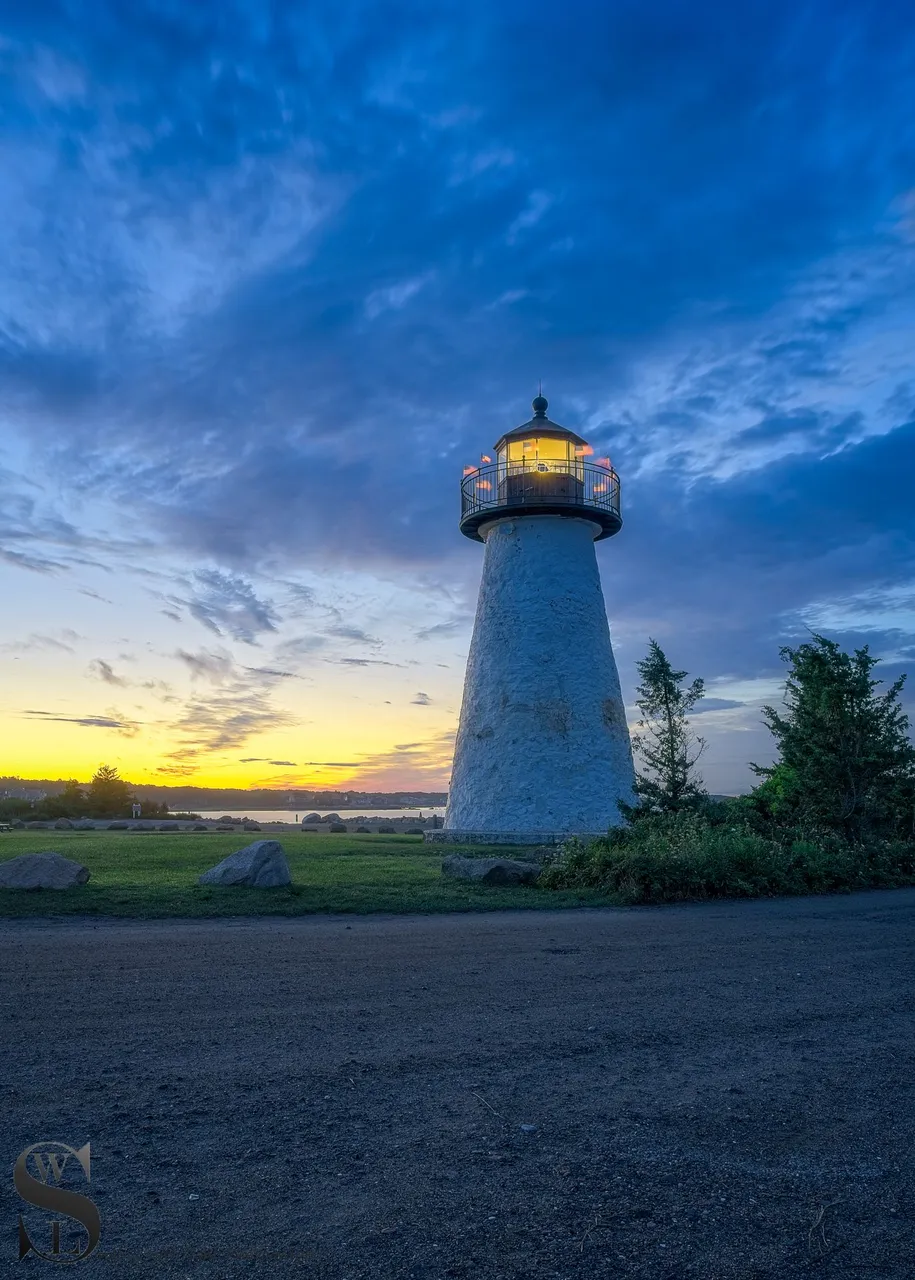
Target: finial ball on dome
<point>540,404</point>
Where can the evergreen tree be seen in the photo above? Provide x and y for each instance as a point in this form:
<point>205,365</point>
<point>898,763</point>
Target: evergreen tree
<point>69,803</point>
<point>843,745</point>
<point>666,744</point>
<point>109,795</point>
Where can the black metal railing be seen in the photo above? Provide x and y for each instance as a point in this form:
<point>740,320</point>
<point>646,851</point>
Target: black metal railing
<point>564,487</point>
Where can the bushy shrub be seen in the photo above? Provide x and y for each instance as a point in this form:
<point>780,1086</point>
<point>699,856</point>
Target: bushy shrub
<point>713,854</point>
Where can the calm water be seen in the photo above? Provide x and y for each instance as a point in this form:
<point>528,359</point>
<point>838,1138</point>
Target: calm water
<point>292,815</point>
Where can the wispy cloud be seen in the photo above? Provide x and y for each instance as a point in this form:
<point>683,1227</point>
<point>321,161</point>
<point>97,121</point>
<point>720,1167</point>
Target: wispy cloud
<point>216,665</point>
<point>262,760</point>
<point>104,671</point>
<point>715,704</point>
<point>224,720</point>
<point>453,627</point>
<point>129,728</point>
<point>63,642</point>
<point>345,631</point>
<point>227,604</point>
<point>271,671</point>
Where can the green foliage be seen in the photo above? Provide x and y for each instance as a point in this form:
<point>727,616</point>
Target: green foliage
<point>665,743</point>
<point>673,857</point>
<point>845,760</point>
<point>12,807</point>
<point>109,795</point>
<point>69,803</point>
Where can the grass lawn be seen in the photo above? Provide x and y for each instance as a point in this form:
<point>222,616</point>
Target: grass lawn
<point>155,874</point>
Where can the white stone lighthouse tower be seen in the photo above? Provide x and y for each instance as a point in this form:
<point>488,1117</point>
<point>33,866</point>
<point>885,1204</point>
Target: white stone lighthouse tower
<point>543,748</point>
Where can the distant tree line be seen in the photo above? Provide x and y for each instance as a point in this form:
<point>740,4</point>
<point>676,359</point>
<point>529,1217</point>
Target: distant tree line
<point>231,799</point>
<point>106,796</point>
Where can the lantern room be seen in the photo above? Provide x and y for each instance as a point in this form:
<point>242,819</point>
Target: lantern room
<point>540,468</point>
<point>541,444</point>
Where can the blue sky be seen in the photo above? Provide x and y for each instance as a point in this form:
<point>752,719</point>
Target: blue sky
<point>274,273</point>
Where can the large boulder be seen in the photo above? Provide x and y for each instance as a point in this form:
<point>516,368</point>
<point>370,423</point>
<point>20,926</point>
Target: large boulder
<point>252,826</point>
<point>261,865</point>
<point>46,870</point>
<point>311,817</point>
<point>490,870</point>
<point>63,824</point>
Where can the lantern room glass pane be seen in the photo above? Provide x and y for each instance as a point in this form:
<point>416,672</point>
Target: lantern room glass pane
<point>535,449</point>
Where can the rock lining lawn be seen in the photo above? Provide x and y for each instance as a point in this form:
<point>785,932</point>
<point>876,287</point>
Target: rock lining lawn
<point>154,874</point>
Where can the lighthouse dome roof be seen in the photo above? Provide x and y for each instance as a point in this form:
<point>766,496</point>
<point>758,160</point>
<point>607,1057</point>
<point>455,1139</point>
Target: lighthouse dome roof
<point>539,425</point>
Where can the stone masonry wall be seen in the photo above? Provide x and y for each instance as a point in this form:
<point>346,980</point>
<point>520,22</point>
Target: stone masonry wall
<point>543,745</point>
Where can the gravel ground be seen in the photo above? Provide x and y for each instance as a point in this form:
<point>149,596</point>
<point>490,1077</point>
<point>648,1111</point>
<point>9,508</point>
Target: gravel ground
<point>714,1091</point>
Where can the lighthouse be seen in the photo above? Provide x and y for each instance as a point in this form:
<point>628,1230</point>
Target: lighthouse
<point>542,749</point>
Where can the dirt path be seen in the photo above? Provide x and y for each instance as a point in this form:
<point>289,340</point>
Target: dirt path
<point>714,1092</point>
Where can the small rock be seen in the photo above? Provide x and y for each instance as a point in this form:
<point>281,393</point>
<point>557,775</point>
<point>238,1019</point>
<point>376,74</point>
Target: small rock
<point>261,865</point>
<point>47,870</point>
<point>337,827</point>
<point>493,871</point>
<point>528,1128</point>
<point>363,831</point>
<point>251,826</point>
